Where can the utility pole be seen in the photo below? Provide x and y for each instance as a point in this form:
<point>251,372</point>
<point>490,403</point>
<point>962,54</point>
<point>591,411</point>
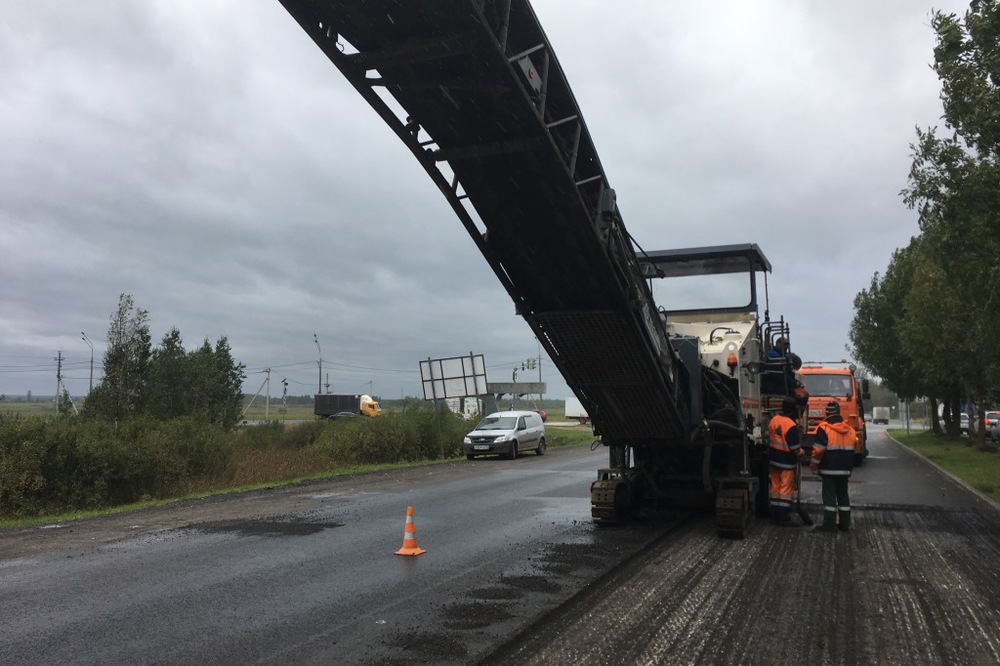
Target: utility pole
<point>284,398</point>
<point>91,345</point>
<point>58,360</point>
<point>538,342</point>
<point>437,413</point>
<point>60,387</point>
<point>266,386</point>
<point>319,388</point>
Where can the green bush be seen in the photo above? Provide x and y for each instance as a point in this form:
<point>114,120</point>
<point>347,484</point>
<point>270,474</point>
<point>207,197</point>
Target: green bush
<point>276,435</point>
<point>52,465</point>
<point>21,456</point>
<point>58,464</point>
<point>303,434</point>
<point>405,436</point>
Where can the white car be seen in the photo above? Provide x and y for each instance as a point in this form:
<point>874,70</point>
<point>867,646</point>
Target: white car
<point>505,434</point>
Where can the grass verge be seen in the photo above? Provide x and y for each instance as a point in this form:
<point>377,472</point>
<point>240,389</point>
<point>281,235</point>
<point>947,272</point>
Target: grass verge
<point>960,456</point>
<point>270,464</point>
<point>209,492</point>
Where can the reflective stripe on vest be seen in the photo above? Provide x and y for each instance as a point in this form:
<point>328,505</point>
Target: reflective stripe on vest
<point>837,457</point>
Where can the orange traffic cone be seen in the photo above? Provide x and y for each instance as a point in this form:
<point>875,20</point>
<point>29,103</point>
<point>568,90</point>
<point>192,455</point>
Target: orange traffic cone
<point>410,546</point>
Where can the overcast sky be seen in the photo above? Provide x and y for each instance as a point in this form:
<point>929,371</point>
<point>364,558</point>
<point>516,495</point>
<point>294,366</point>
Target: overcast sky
<point>206,158</point>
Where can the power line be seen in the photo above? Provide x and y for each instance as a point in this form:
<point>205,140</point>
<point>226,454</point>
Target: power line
<point>339,365</point>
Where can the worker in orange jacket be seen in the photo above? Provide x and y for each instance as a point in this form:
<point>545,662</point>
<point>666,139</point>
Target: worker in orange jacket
<point>833,458</point>
<point>783,454</point>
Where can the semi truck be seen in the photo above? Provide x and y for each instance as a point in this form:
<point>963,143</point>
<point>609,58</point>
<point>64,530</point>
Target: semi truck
<point>880,415</point>
<point>474,90</point>
<point>334,405</point>
<point>836,381</point>
<point>576,412</point>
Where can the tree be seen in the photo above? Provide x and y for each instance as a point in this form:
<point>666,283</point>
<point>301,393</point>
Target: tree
<point>958,196</point>
<point>204,383</point>
<point>935,334</point>
<point>167,382</point>
<point>215,384</point>
<point>121,393</point>
<point>64,404</point>
<point>878,313</point>
<point>967,60</point>
<point>954,184</point>
<point>169,377</point>
<point>228,377</point>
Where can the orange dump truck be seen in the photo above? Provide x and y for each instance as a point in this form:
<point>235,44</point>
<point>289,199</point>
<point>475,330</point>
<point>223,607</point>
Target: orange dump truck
<point>836,381</point>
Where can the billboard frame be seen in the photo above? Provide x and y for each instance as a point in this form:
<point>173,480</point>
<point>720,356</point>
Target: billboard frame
<point>453,377</point>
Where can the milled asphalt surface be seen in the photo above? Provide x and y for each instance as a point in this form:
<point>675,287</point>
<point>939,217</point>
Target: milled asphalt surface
<point>915,582</point>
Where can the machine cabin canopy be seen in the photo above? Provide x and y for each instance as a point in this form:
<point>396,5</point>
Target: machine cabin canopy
<point>716,260</point>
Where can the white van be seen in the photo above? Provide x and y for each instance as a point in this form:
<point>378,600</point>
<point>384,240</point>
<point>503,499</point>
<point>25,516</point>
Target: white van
<point>505,434</point>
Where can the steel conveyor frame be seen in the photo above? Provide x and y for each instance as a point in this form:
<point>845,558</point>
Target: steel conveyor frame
<point>485,108</point>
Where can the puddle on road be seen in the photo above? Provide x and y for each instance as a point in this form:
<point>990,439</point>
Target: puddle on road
<point>268,528</point>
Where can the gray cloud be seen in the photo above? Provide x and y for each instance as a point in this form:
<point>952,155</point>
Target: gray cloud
<point>207,159</point>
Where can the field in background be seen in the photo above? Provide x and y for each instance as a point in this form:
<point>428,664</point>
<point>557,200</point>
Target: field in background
<point>555,410</point>
<point>298,408</point>
<point>29,408</point>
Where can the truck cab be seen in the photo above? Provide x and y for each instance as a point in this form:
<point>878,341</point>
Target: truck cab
<point>369,406</point>
<point>826,382</point>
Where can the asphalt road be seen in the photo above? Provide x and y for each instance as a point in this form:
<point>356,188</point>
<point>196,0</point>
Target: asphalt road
<point>308,574</point>
<point>515,573</point>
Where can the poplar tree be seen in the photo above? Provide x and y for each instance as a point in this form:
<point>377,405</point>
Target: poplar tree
<point>122,392</point>
<point>954,184</point>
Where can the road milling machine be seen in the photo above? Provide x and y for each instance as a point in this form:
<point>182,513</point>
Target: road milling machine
<point>475,92</point>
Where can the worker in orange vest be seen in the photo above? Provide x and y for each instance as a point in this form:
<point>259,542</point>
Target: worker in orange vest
<point>783,455</point>
<point>833,458</point>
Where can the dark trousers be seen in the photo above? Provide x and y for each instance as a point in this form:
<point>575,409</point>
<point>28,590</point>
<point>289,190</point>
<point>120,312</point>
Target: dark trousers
<point>836,502</point>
